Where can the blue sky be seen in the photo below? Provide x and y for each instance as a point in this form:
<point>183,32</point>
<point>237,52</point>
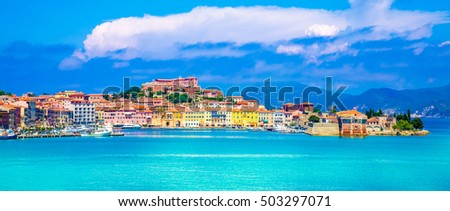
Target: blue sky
<point>48,46</point>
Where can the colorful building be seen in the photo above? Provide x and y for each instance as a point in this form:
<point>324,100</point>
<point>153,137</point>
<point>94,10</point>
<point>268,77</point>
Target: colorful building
<point>244,117</point>
<point>352,123</point>
<point>130,117</point>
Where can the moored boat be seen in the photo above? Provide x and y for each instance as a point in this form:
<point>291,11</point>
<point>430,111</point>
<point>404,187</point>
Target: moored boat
<point>3,134</point>
<point>99,132</point>
<point>11,134</point>
<point>130,126</point>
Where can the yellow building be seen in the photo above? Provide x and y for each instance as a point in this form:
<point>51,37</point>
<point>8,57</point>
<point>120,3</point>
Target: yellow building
<point>265,118</point>
<point>172,118</point>
<point>244,117</point>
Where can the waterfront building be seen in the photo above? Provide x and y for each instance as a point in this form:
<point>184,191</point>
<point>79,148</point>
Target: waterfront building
<point>59,117</point>
<point>83,112</point>
<point>99,115</point>
<point>193,118</point>
<point>380,124</point>
<point>221,118</point>
<point>6,120</point>
<point>265,117</point>
<point>130,117</point>
<point>172,118</point>
<point>352,123</point>
<point>30,113</point>
<point>244,117</point>
<point>278,117</point>
<point>10,117</point>
<point>287,118</point>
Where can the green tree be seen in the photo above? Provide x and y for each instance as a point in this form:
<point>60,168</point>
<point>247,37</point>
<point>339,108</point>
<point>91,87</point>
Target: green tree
<point>314,119</point>
<point>403,125</point>
<point>333,110</point>
<point>417,123</point>
<point>316,110</point>
<point>2,92</point>
<point>380,112</point>
<point>150,94</point>
<point>409,115</point>
<point>106,97</point>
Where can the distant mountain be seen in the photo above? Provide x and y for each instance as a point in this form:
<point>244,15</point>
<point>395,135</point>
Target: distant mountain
<point>428,102</point>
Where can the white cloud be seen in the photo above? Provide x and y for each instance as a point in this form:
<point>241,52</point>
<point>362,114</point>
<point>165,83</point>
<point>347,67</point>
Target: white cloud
<point>320,30</point>
<point>444,44</point>
<point>155,37</point>
<point>418,48</point>
<point>70,63</point>
<point>290,49</point>
<point>73,62</point>
<point>312,52</point>
<point>118,65</point>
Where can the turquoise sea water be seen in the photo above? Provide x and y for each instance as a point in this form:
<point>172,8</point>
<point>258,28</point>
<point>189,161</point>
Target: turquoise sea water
<point>157,159</point>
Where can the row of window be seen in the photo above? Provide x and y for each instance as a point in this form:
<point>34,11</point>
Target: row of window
<point>91,108</point>
<point>125,117</point>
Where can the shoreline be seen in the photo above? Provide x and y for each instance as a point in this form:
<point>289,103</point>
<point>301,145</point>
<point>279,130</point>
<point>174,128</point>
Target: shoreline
<point>390,133</point>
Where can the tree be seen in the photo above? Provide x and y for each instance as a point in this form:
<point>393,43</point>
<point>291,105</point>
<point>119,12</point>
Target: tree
<point>106,97</point>
<point>316,110</point>
<point>409,115</point>
<point>150,94</point>
<point>178,98</point>
<point>2,92</point>
<point>314,119</point>
<point>417,123</point>
<point>402,117</point>
<point>333,110</point>
<point>403,125</point>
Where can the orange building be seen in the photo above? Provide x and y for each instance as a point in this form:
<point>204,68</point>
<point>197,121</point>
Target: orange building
<point>352,123</point>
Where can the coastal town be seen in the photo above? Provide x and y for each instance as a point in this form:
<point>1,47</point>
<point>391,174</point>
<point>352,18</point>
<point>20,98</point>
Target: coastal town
<point>181,103</point>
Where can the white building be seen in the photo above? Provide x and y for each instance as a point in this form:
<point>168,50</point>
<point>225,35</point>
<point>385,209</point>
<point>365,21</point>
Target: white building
<point>83,112</point>
<point>278,118</point>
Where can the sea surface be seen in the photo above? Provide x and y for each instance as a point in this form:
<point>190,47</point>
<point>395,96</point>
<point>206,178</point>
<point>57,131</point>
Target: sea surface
<point>165,160</point>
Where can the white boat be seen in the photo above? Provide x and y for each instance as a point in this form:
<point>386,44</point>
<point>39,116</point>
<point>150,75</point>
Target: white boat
<point>99,132</point>
<point>7,134</point>
<point>3,134</point>
<point>11,134</point>
<point>280,128</point>
<point>129,126</point>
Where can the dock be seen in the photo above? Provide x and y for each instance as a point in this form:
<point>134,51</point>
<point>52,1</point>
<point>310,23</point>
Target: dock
<point>47,136</point>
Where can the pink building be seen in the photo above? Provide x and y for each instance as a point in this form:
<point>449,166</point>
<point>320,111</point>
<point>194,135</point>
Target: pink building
<point>115,117</point>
